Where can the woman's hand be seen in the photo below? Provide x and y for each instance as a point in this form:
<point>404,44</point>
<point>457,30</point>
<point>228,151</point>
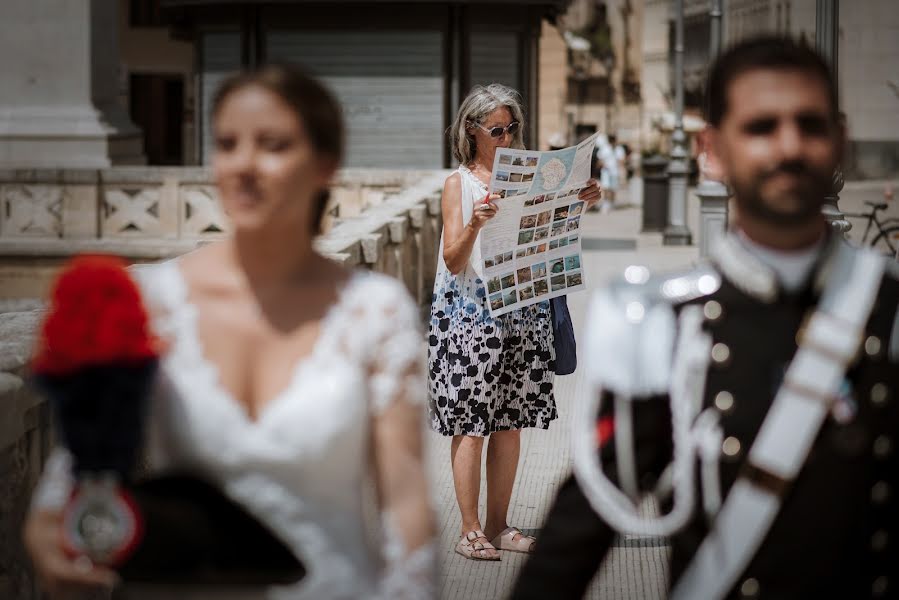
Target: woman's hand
<point>59,574</point>
<point>591,193</point>
<point>485,211</point>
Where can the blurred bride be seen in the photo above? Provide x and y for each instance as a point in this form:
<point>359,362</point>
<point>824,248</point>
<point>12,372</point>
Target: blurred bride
<point>288,381</point>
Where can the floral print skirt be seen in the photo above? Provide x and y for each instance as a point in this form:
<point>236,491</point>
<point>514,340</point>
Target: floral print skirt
<point>487,374</point>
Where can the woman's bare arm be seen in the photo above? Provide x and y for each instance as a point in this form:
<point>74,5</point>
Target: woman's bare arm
<point>459,238</point>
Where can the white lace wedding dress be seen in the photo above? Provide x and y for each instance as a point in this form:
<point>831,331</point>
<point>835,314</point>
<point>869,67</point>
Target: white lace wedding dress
<point>303,466</point>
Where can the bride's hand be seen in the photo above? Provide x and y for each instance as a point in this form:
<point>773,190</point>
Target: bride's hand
<point>59,574</point>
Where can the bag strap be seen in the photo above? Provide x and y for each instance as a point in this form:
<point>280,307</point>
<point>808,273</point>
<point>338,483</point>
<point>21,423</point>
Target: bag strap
<point>829,342</point>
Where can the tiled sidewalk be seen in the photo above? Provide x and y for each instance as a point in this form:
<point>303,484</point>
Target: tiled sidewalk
<point>635,569</point>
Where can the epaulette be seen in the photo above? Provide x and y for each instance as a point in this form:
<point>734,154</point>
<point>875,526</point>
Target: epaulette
<point>631,327</point>
<point>637,284</point>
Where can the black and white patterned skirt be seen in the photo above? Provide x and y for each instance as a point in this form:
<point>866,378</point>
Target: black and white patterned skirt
<point>487,374</point>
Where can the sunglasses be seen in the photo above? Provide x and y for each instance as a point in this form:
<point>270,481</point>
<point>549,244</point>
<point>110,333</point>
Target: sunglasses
<point>495,132</point>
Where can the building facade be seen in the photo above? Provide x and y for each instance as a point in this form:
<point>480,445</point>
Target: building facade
<point>867,72</point>
<point>867,75</point>
<point>400,69</point>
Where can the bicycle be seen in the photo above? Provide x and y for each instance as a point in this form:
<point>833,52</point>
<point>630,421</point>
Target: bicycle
<point>887,238</point>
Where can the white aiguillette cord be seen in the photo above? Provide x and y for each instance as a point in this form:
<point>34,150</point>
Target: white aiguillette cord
<point>619,509</point>
<point>830,342</point>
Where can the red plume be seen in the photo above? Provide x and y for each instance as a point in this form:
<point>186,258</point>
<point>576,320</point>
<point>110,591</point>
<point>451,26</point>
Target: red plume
<point>96,318</point>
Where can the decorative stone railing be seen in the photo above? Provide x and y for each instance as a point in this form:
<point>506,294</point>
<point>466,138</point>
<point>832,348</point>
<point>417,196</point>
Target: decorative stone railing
<point>148,213</point>
<point>388,221</point>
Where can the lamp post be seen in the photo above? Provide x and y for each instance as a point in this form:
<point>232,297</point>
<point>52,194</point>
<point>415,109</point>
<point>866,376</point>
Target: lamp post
<point>677,233</point>
<point>715,29</point>
<point>579,55</point>
<point>608,61</point>
<point>713,195</point>
<point>827,43</point>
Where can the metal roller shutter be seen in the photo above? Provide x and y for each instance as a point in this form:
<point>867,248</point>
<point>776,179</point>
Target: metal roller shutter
<point>390,84</point>
<point>495,59</point>
<point>220,56</point>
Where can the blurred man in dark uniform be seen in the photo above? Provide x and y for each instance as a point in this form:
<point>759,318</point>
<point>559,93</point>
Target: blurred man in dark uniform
<point>756,397</point>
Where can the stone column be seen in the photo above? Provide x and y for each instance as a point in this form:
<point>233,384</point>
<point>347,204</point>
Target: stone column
<point>713,198</point>
<point>59,103</point>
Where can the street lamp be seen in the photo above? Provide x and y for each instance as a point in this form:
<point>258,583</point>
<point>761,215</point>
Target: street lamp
<point>608,61</point>
<point>827,43</point>
<point>677,233</point>
<point>713,195</point>
<point>579,51</point>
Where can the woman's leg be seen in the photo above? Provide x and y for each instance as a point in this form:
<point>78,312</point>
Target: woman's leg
<point>465,455</point>
<point>503,450</point>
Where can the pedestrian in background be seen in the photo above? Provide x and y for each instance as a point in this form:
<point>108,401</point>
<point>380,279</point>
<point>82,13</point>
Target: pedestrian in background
<point>489,378</point>
<point>607,163</point>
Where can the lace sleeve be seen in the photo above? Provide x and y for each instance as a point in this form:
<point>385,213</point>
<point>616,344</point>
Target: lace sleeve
<point>397,387</point>
<point>406,517</point>
<point>397,363</point>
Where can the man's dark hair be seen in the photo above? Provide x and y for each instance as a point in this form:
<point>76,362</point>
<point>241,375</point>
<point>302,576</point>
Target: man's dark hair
<point>765,52</point>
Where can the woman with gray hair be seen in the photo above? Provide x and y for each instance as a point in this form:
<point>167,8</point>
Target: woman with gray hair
<point>488,377</point>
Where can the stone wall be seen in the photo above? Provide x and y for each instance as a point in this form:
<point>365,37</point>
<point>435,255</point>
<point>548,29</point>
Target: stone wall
<point>24,445</point>
<point>387,221</point>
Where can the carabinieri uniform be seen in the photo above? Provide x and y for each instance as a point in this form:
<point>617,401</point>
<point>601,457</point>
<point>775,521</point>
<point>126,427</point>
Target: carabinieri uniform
<point>700,363</point>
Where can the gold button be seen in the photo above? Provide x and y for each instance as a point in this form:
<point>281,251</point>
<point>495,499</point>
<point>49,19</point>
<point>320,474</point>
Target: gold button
<point>879,587</point>
<point>872,345</point>
<point>880,492</point>
<point>731,447</point>
<point>750,588</point>
<point>712,310</point>
<point>883,446</point>
<point>720,353</point>
<point>724,401</point>
<point>879,540</point>
<point>879,394</point>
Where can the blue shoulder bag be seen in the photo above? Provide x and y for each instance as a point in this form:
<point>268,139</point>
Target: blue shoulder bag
<point>563,336</point>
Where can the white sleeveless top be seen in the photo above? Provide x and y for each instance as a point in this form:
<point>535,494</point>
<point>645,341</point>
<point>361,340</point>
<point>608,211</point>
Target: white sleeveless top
<point>473,193</point>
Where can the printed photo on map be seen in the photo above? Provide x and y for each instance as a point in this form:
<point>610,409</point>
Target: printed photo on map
<point>524,275</point>
<point>496,301</point>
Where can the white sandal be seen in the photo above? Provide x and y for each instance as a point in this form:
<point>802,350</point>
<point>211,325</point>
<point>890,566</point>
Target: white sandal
<point>474,545</point>
<point>506,541</point>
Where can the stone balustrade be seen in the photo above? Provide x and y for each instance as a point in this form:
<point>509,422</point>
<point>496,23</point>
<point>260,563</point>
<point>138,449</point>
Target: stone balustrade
<point>150,213</point>
<point>387,221</point>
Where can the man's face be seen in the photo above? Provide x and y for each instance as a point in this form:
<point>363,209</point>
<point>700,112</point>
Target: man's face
<point>778,144</point>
